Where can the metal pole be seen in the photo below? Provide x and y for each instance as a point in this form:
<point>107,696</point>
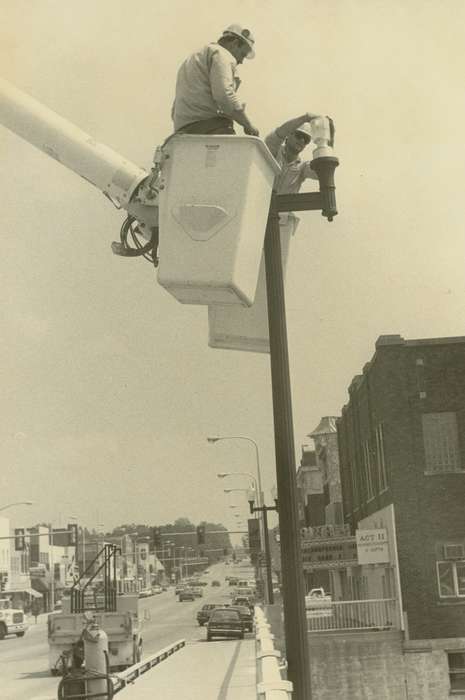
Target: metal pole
<point>52,570</point>
<point>84,548</point>
<point>293,589</point>
<point>268,556</point>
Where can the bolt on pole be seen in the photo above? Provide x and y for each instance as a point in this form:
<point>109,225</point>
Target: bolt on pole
<point>295,622</point>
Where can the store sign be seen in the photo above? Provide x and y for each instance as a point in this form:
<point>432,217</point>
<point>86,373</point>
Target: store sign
<point>372,546</point>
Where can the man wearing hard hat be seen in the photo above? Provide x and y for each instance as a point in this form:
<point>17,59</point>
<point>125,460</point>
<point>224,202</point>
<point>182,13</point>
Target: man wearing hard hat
<point>206,100</point>
<point>286,144</point>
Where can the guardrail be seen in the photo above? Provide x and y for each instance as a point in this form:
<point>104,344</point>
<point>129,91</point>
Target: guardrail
<point>375,614</point>
<point>271,685</point>
<point>121,680</point>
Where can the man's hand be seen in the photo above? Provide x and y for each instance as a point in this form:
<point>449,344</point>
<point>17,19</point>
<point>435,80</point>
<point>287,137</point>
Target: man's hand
<point>310,115</point>
<point>250,130</point>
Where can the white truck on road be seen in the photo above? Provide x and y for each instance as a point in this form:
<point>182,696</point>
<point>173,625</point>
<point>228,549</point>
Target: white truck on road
<point>122,627</point>
<point>12,620</point>
<point>318,603</point>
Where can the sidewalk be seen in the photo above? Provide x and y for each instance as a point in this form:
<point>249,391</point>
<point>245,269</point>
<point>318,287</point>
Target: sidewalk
<point>221,670</point>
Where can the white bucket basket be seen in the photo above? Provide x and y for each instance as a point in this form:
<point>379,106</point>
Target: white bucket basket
<point>213,214</point>
<point>240,328</point>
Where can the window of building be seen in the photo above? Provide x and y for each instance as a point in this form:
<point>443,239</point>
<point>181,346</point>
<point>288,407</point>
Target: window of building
<point>441,442</point>
<point>456,660</point>
<point>381,459</point>
<point>368,474</point>
<point>355,494</point>
<point>451,579</point>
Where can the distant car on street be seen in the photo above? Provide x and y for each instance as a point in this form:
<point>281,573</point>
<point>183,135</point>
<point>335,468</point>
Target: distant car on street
<point>186,594</point>
<point>145,593</point>
<point>243,600</point>
<point>205,612</point>
<point>216,583</point>
<point>224,622</point>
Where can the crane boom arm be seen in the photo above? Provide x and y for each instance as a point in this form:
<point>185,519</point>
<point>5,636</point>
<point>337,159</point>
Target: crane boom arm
<point>66,143</point>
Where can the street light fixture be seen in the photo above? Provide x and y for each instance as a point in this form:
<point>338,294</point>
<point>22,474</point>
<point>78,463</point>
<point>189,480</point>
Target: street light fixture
<point>216,438</point>
<point>223,475</point>
<point>17,503</point>
<point>83,532</point>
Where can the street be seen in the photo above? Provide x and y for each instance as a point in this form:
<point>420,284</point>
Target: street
<point>24,661</point>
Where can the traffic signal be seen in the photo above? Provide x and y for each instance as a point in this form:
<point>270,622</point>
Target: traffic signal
<point>200,534</point>
<point>3,580</point>
<point>155,535</point>
<point>72,534</point>
<point>20,541</point>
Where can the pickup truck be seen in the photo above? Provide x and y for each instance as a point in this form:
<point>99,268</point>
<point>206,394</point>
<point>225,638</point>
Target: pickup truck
<point>318,603</point>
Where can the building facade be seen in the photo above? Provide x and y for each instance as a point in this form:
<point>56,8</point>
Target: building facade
<point>402,459</point>
<point>310,498</point>
<point>327,461</point>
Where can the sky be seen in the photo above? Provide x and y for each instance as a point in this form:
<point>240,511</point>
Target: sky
<point>108,387</point>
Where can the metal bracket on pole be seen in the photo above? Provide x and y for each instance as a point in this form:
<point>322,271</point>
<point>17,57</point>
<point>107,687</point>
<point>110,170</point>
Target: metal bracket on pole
<point>269,652</point>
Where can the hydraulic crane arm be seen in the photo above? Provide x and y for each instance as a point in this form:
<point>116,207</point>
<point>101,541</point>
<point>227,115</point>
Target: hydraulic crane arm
<point>66,143</point>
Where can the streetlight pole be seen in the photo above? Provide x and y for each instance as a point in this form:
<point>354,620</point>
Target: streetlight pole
<point>293,586</point>
<point>264,510</point>
<point>52,569</point>
<point>217,438</point>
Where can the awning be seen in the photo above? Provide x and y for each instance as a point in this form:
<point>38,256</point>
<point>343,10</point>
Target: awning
<point>29,591</point>
<point>40,585</point>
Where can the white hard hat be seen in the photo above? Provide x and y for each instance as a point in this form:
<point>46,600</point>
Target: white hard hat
<point>306,129</point>
<point>242,33</point>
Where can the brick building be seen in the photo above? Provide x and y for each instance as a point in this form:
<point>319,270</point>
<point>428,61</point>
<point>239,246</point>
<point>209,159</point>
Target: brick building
<point>402,460</point>
<point>310,497</point>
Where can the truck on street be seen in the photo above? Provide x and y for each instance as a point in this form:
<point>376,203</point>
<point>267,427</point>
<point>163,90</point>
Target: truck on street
<point>12,620</point>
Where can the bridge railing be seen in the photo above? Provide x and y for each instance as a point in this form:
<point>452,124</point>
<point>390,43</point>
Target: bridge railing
<point>374,614</point>
<point>271,685</point>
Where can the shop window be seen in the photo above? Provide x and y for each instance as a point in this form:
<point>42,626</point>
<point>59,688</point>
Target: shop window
<point>441,442</point>
<point>368,474</point>
<point>456,661</point>
<point>451,579</point>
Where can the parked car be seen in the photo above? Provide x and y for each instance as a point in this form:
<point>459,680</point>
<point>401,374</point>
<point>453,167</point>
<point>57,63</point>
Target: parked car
<point>205,612</point>
<point>216,583</point>
<point>246,616</point>
<point>186,594</point>
<point>145,593</point>
<point>224,622</point>
<point>156,589</point>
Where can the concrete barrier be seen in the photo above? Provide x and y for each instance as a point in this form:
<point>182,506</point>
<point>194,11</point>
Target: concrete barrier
<point>271,685</point>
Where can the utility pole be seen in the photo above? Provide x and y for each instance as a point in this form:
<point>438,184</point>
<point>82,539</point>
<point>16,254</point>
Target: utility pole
<point>263,509</point>
<point>295,622</point>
